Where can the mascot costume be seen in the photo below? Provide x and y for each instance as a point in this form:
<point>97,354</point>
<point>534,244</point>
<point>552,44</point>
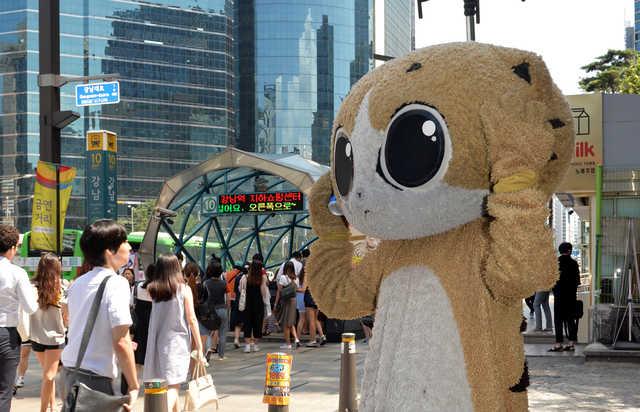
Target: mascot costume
<point>449,155</point>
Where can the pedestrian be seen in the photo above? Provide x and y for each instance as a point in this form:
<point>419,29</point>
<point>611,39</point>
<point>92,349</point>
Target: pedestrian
<point>16,294</point>
<point>255,294</point>
<point>105,247</point>
<point>232,277</point>
<point>565,299</point>
<point>529,302</point>
<point>47,325</point>
<point>141,309</point>
<point>172,325</point>
<point>311,309</point>
<point>542,300</point>
<point>130,276</point>
<point>286,296</point>
<point>215,299</point>
<point>191,273</point>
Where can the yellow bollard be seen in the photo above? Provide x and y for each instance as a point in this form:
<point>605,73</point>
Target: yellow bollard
<point>277,383</point>
<point>155,395</point>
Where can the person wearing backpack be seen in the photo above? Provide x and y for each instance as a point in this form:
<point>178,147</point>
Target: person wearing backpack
<point>214,291</point>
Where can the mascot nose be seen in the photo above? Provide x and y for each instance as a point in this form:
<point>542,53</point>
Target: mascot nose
<point>359,193</point>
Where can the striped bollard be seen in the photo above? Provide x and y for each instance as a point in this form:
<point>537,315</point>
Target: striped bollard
<point>155,395</point>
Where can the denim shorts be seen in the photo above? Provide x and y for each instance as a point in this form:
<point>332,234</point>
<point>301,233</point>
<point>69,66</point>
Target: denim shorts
<point>300,301</point>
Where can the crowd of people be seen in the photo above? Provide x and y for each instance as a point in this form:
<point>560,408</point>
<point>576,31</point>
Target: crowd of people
<point>158,327</point>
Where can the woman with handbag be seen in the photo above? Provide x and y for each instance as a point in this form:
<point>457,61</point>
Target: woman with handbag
<point>47,326</point>
<point>172,325</point>
<point>286,295</point>
<point>254,300</point>
<point>215,303</point>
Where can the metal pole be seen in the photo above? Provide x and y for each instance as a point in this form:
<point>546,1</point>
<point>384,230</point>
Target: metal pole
<point>49,59</point>
<point>155,396</point>
<point>58,232</point>
<point>471,29</point>
<point>596,286</point>
<point>471,8</point>
<point>348,401</point>
<point>131,207</point>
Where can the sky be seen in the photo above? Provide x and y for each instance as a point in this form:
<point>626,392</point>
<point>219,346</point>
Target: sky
<point>567,34</point>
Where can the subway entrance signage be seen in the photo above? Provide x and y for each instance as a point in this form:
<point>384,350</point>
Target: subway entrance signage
<point>94,94</point>
<point>238,203</point>
<point>101,175</point>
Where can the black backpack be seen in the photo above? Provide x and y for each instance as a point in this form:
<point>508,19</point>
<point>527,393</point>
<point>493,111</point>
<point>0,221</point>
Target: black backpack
<point>205,312</point>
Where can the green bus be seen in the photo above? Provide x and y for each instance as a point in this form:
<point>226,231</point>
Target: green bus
<point>72,257</point>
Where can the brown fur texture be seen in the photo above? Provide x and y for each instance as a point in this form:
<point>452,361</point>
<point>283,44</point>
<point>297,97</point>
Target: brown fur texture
<point>499,126</point>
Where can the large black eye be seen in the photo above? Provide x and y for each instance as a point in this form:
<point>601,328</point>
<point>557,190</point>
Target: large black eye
<point>415,146</point>
<point>343,163</point>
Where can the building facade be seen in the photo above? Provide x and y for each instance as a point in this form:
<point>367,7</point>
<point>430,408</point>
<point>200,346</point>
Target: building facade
<point>175,61</point>
<point>297,60</point>
<point>637,23</point>
<point>394,28</point>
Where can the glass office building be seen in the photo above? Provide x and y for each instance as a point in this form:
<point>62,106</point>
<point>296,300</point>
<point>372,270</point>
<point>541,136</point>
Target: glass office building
<point>175,61</point>
<point>394,25</point>
<point>297,60</point>
<point>637,23</point>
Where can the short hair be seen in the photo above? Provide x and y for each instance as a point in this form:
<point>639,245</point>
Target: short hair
<point>296,254</point>
<point>100,236</point>
<point>306,253</point>
<point>565,247</point>
<point>168,277</point>
<point>214,270</point>
<point>9,237</point>
<point>258,256</point>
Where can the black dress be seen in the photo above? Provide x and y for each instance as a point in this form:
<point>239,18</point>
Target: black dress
<point>253,312</point>
<point>142,314</point>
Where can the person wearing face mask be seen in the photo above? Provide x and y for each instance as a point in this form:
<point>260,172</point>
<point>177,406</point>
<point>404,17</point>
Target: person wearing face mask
<point>105,247</point>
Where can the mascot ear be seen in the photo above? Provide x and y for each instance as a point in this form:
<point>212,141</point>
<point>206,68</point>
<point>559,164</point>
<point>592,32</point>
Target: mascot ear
<point>532,80</point>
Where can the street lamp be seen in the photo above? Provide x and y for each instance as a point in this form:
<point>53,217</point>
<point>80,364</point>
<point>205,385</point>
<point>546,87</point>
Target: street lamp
<point>131,208</point>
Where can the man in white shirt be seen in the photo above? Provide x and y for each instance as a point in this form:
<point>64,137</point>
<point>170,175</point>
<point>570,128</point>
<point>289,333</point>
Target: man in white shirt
<point>104,246</point>
<point>15,292</point>
<point>297,264</point>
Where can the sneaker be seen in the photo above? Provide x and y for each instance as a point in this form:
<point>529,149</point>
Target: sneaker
<point>312,344</point>
<point>220,357</point>
<point>247,348</point>
<point>255,347</point>
<point>19,382</point>
<point>323,340</point>
<point>287,347</point>
<point>236,344</point>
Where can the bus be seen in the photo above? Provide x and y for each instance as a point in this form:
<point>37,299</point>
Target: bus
<point>72,257</point>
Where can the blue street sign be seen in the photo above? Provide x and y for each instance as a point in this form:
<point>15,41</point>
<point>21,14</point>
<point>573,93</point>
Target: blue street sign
<point>97,93</point>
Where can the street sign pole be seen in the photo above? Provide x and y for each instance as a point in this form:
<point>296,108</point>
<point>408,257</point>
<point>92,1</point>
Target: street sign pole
<point>49,58</point>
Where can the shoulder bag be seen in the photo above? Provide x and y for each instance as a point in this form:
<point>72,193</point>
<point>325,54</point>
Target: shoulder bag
<point>242,303</point>
<point>205,312</point>
<point>201,390</point>
<point>80,397</point>
<point>288,291</point>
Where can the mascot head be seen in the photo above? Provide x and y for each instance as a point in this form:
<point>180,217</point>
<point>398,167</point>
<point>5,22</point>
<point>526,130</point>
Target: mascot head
<point>409,146</point>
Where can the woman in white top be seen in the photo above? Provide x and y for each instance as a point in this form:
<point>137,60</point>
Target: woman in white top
<point>15,293</point>
<point>287,316</point>
<point>173,328</point>
<point>47,326</point>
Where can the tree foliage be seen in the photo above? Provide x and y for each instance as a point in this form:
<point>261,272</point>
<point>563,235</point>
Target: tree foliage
<point>617,71</point>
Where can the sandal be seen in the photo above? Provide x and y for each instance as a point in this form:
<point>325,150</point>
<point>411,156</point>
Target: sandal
<point>569,348</point>
<point>556,349</point>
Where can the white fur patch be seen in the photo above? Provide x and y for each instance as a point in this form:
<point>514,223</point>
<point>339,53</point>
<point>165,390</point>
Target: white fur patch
<point>416,361</point>
<point>377,209</point>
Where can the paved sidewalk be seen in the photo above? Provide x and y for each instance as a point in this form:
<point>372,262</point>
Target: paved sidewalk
<point>563,382</point>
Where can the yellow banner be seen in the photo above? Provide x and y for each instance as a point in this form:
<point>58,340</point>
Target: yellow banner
<point>44,213</point>
<point>587,122</point>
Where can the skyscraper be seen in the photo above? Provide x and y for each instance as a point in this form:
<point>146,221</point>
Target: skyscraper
<point>175,61</point>
<point>297,60</point>
<point>394,28</point>
<point>637,23</point>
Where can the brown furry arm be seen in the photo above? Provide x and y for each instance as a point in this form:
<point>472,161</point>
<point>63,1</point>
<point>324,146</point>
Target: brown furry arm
<point>521,256</point>
<point>341,291</point>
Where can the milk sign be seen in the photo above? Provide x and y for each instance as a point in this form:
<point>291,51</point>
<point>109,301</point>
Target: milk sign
<point>93,94</point>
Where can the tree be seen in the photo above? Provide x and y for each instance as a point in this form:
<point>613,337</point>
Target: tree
<point>141,215</point>
<point>616,71</point>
